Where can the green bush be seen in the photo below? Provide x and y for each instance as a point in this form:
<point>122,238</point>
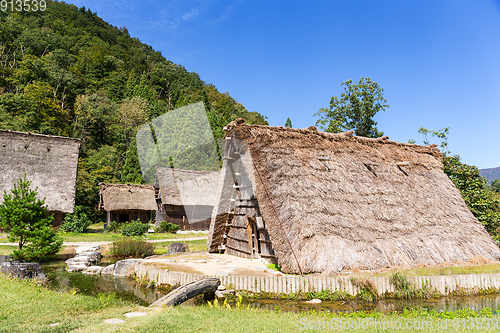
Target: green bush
<point>113,226</point>
<point>167,227</point>
<point>76,222</point>
<point>134,228</point>
<point>131,247</point>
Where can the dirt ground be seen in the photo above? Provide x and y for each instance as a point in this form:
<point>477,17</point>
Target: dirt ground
<point>212,264</point>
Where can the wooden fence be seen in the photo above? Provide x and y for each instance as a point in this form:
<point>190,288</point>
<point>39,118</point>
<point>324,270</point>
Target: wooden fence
<point>288,284</point>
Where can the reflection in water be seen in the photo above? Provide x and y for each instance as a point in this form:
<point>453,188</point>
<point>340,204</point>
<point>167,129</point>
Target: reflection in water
<point>99,284</point>
<point>126,289</point>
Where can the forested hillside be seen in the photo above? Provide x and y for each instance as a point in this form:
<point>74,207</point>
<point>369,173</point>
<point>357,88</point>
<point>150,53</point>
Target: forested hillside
<point>67,72</point>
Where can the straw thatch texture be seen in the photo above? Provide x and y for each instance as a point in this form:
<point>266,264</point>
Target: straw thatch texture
<point>50,162</point>
<point>120,197</point>
<point>187,187</point>
<point>345,203</point>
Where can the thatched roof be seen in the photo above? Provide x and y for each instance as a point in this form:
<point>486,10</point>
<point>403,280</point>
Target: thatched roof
<point>187,187</point>
<point>115,197</point>
<point>50,162</point>
<point>351,202</point>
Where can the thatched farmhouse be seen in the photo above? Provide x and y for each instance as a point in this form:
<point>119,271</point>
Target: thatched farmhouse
<point>126,202</point>
<point>185,197</point>
<point>322,203</point>
<point>50,162</point>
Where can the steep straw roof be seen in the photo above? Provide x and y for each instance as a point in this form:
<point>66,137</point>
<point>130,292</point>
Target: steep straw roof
<point>187,187</point>
<point>50,162</point>
<point>350,202</point>
<point>115,197</point>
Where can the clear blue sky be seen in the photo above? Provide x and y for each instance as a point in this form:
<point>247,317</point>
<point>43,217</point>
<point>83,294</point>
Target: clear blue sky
<point>438,61</point>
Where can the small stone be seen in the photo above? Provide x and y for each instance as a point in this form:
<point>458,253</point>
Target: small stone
<point>219,294</point>
<point>135,314</point>
<point>182,260</point>
<point>314,301</point>
<point>166,269</point>
<point>201,261</point>
<point>213,260</point>
<point>54,324</point>
<point>114,321</point>
<point>221,287</point>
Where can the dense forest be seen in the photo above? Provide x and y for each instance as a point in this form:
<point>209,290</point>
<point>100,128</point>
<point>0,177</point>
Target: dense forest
<point>65,71</point>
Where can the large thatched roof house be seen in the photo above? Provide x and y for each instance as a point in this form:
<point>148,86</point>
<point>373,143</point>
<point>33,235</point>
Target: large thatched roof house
<point>126,202</point>
<point>50,162</point>
<point>186,197</point>
<point>333,202</point>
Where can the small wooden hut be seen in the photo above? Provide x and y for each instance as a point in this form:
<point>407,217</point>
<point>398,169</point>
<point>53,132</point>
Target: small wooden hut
<point>185,197</point>
<point>49,162</point>
<point>323,203</point>
<point>127,202</point>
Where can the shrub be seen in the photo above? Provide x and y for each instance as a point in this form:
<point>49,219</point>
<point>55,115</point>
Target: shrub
<point>131,247</point>
<point>113,226</point>
<point>134,228</point>
<point>167,227</point>
<point>76,222</point>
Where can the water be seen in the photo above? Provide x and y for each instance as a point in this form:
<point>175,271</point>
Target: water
<point>124,288</point>
<point>127,290</point>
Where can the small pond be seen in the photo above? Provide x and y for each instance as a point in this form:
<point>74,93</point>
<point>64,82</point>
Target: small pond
<point>127,290</point>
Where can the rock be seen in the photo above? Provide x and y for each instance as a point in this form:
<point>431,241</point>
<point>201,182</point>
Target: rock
<point>5,259</point>
<point>93,270</point>
<point>135,314</point>
<point>31,270</point>
<point>201,261</point>
<point>54,324</point>
<point>114,321</point>
<point>94,256</point>
<point>87,248</point>
<point>176,248</point>
<point>125,267</point>
<point>108,270</point>
<point>314,301</point>
<point>221,287</point>
<point>78,260</point>
<point>219,294</point>
<point>76,268</point>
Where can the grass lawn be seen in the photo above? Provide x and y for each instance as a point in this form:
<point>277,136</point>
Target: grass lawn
<point>28,308</point>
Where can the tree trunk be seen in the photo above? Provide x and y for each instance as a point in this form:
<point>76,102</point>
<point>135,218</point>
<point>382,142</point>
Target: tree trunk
<point>188,291</point>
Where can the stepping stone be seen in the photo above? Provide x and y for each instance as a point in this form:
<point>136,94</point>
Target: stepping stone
<point>314,301</point>
<point>135,314</point>
<point>87,248</point>
<point>114,321</point>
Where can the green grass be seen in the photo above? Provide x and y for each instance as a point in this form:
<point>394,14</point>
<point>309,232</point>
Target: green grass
<point>7,250</point>
<point>27,308</point>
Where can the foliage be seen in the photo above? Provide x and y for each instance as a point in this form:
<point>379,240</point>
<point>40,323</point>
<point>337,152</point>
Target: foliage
<point>77,222</point>
<point>65,71</point>
<point>113,226</point>
<point>131,248</point>
<point>355,109</point>
<point>288,123</point>
<point>483,203</point>
<point>274,266</point>
<point>405,290</point>
<point>441,134</point>
<point>28,222</point>
<point>495,185</point>
<point>134,228</point>
<point>167,227</point>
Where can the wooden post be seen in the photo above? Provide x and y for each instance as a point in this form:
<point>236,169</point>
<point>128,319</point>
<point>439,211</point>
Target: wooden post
<point>108,217</point>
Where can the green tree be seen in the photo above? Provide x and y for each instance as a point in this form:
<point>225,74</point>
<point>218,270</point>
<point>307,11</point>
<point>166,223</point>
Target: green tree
<point>288,123</point>
<point>483,203</point>
<point>28,222</point>
<point>355,109</point>
<point>495,185</point>
<point>441,134</point>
